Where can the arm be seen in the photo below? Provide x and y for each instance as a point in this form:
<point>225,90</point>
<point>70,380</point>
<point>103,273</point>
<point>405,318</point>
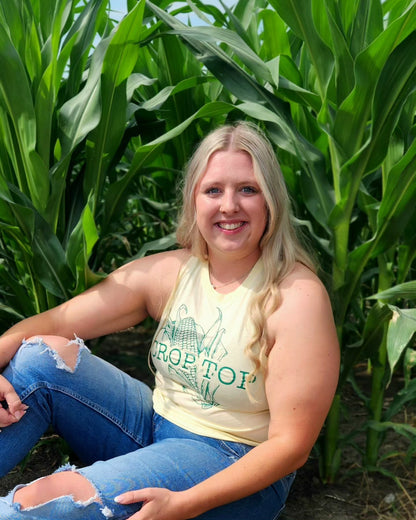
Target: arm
<point>126,297</point>
<point>301,379</point>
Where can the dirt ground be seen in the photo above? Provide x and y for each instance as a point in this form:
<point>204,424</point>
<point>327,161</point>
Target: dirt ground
<point>357,495</point>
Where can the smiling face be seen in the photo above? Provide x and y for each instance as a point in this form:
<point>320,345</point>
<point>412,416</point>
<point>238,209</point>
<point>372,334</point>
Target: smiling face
<point>231,212</point>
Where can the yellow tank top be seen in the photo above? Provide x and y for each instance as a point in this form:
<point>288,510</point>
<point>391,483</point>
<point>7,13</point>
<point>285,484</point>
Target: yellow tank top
<point>201,368</point>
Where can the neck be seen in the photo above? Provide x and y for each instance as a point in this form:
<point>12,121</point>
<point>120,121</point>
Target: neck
<point>230,284</point>
<point>229,274</point>
<point>226,266</point>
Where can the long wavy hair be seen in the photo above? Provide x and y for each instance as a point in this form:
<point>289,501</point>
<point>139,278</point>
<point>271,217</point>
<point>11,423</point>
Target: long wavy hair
<point>280,246</point>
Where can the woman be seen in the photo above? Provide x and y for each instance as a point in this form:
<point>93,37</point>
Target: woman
<point>246,361</point>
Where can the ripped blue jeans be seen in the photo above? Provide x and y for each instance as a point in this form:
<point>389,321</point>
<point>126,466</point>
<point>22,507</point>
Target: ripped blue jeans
<point>107,418</point>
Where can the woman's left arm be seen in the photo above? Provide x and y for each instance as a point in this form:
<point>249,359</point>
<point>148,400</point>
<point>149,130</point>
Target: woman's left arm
<point>301,379</point>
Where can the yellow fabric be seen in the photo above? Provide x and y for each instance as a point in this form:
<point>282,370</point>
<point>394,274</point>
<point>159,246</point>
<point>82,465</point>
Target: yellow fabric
<point>201,367</point>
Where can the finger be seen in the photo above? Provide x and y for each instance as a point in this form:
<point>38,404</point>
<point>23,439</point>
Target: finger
<point>6,418</point>
<point>13,401</point>
<point>13,411</point>
<point>130,497</point>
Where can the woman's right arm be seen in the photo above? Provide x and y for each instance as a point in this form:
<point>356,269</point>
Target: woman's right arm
<point>87,315</point>
<point>124,299</point>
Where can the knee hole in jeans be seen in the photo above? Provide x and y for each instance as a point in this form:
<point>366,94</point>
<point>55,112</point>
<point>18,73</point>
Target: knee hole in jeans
<point>64,351</point>
<point>66,483</point>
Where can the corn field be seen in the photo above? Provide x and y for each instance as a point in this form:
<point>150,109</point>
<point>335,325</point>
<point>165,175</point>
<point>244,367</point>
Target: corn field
<point>98,117</point>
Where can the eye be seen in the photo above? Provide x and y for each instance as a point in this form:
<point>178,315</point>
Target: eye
<point>249,190</point>
<point>212,190</point>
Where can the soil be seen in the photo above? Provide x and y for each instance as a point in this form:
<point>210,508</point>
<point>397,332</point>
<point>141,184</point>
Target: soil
<point>357,495</point>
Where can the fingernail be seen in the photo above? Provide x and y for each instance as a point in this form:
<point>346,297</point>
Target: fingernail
<point>18,415</point>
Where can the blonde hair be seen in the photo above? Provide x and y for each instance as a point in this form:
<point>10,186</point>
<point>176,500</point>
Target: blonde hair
<point>279,245</point>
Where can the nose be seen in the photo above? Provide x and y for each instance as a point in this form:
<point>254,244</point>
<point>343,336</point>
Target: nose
<point>229,202</point>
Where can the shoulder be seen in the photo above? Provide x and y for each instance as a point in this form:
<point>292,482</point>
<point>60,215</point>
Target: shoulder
<point>304,312</point>
<point>167,263</point>
<point>153,277</point>
<point>302,286</point>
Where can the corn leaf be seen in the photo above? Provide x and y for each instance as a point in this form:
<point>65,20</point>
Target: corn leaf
<point>406,290</point>
<point>16,99</point>
<point>402,328</point>
<point>119,60</point>
<point>298,16</point>
<point>352,118</point>
<point>80,246</point>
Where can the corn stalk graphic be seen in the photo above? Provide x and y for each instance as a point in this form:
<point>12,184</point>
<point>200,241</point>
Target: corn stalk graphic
<point>186,335</point>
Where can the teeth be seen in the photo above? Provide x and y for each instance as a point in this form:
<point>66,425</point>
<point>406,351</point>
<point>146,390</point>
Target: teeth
<point>229,227</point>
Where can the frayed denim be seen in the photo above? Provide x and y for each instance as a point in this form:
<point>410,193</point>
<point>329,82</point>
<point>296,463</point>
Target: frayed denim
<point>107,418</point>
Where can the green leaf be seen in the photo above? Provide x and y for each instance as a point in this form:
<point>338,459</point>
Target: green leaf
<point>161,244</point>
<point>78,41</point>
<point>209,110</point>
<point>366,25</point>
<point>119,60</point>
<point>124,48</point>
<point>397,81</point>
<point>49,260</point>
<point>289,81</point>
<point>275,37</point>
<point>81,114</point>
<point>395,210</point>
<point>211,35</point>
<point>157,101</point>
<point>298,16</point>
<point>352,117</point>
<point>372,336</point>
<point>397,204</point>
<point>406,290</point>
<point>16,99</point>
<point>344,63</point>
<point>402,328</point>
<point>11,314</point>
<point>80,246</point>
<point>15,293</point>
<point>21,209</point>
<point>403,396</point>
<point>403,429</point>
<point>49,76</point>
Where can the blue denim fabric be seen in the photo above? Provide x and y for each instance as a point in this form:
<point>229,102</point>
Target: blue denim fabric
<point>107,418</point>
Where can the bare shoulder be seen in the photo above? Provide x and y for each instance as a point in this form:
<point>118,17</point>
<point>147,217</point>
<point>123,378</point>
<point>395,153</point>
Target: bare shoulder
<point>167,263</point>
<point>301,291</point>
<point>302,286</point>
<point>153,277</point>
<point>303,324</point>
<point>300,275</point>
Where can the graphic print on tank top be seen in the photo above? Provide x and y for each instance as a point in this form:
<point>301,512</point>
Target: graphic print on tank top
<point>193,354</point>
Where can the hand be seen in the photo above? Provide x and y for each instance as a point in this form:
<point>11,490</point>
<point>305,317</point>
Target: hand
<point>11,407</point>
<point>158,504</point>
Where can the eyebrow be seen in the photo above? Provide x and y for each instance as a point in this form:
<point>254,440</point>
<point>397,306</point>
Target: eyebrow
<point>243,182</point>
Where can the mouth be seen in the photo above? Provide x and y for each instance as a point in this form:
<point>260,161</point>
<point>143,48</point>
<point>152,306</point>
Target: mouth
<point>231,226</point>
